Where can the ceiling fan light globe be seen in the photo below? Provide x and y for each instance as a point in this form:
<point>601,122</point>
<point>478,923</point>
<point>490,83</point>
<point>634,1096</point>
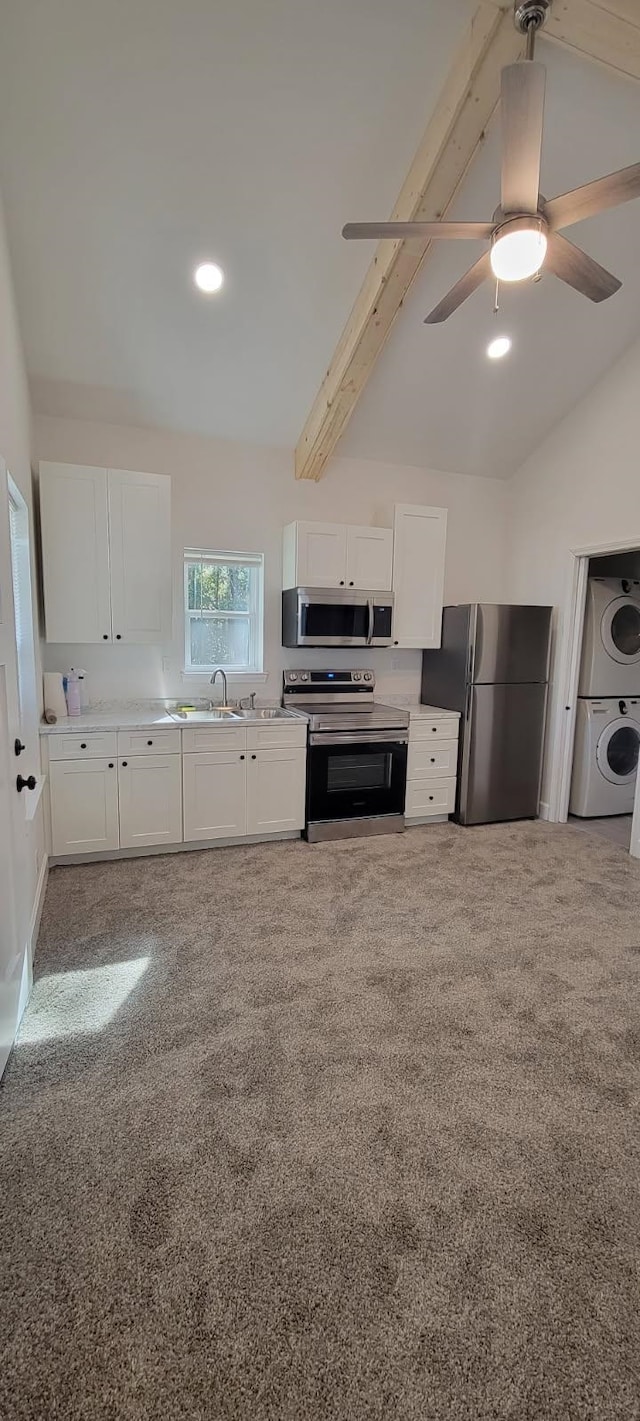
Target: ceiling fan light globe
<point>518,251</point>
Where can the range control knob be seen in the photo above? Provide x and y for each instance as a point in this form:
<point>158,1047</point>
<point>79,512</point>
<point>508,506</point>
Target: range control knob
<point>304,675</point>
<point>293,676</point>
<point>357,675</point>
<point>368,676</point>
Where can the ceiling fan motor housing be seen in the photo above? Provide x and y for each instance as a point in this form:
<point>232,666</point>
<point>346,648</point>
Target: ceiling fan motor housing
<point>530,14</point>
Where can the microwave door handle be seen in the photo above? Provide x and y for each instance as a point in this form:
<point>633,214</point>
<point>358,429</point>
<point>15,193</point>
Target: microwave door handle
<point>370,631</point>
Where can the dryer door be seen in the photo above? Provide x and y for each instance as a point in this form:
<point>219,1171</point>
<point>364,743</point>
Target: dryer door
<point>620,628</point>
<point>617,751</point>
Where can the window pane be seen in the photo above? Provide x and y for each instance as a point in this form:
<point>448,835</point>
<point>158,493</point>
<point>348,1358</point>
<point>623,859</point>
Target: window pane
<point>219,641</point>
<point>224,587</point>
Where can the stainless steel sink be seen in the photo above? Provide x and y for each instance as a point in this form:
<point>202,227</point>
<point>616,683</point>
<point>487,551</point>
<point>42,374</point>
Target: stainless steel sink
<point>266,713</point>
<point>220,713</point>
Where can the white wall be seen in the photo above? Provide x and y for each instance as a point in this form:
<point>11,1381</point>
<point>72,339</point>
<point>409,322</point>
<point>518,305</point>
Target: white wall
<point>580,488</point>
<point>237,497</point>
<point>15,450</point>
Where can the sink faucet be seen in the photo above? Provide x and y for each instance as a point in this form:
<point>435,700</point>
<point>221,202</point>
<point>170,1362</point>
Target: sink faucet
<point>219,672</point>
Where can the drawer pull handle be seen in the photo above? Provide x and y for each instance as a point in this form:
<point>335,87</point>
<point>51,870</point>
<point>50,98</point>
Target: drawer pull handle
<point>434,729</point>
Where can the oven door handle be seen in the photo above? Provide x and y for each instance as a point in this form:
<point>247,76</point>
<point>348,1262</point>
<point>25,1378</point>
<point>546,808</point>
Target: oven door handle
<point>366,738</point>
<point>370,629</point>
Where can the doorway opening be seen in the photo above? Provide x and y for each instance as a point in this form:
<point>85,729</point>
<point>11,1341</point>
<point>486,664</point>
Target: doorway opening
<point>594,770</point>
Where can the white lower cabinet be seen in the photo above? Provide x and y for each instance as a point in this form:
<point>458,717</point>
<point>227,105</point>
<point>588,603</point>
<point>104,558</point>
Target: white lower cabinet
<point>214,794</point>
<point>276,781</point>
<point>84,806</point>
<point>150,790</point>
<point>432,767</point>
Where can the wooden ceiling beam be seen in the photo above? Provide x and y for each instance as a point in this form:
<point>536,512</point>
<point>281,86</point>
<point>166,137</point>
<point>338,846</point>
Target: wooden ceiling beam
<point>605,30</point>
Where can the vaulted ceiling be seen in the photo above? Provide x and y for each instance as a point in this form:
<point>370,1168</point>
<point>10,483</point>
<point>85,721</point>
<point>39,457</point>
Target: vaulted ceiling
<point>138,139</point>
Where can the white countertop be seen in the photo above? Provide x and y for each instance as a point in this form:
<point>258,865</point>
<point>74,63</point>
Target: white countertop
<point>150,718</point>
<point>417,711</point>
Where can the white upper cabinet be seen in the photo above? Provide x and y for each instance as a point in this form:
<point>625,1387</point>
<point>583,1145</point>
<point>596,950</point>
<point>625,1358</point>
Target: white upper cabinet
<point>419,542</point>
<point>337,555</point>
<point>106,554</point>
<point>369,558</point>
<point>140,551</point>
<point>75,552</point>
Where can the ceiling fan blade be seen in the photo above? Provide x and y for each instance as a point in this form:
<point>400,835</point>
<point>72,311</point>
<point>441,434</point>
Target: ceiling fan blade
<point>472,279</point>
<point>522,105</point>
<point>573,265</point>
<point>594,197</point>
<point>424,230</point>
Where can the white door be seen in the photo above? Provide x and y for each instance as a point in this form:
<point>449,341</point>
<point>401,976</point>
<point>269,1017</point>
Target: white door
<point>419,540</point>
<point>275,790</point>
<point>150,795</point>
<point>84,806</point>
<point>369,558</point>
<point>140,551</point>
<point>214,794</point>
<point>75,553</point>
<point>11,948</point>
<point>322,555</point>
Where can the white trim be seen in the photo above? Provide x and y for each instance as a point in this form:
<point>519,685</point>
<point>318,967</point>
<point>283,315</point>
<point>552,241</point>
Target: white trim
<point>238,841</point>
<point>188,677</point>
<point>32,937</point>
<point>254,614</point>
<point>544,810</point>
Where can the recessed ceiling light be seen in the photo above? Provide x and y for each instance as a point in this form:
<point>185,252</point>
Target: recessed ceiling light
<point>499,347</point>
<point>208,277</point>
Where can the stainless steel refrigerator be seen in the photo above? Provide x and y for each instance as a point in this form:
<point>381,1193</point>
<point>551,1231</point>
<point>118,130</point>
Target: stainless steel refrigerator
<point>493,667</point>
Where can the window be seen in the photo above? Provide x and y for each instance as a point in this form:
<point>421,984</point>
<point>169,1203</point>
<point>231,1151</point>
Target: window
<point>223,595</point>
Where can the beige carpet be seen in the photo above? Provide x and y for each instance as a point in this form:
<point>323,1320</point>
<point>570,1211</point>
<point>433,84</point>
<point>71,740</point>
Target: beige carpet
<point>350,1131</point>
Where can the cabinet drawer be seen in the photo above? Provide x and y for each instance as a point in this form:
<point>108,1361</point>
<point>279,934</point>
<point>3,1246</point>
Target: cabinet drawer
<point>432,761</point>
<point>277,735</point>
<point>429,797</point>
<point>76,746</point>
<point>214,737</point>
<point>436,729</point>
<point>149,742</point>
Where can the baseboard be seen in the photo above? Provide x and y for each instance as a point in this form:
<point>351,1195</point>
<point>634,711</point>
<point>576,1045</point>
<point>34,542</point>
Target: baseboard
<point>153,850</point>
<point>544,810</point>
<point>32,936</point>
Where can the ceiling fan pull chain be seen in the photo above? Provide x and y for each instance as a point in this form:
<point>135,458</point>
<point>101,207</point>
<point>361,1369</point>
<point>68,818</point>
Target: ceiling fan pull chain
<point>496,303</point>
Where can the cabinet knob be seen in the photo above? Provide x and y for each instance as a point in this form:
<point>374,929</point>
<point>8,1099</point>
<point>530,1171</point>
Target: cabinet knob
<point>351,584</point>
<point>105,636</point>
<point>83,745</point>
<point>254,757</point>
<point>434,729</point>
<point>29,783</point>
<point>433,759</point>
<point>124,764</point>
<point>430,796</point>
<point>149,742</point>
<point>342,582</point>
<point>111,764</point>
<point>118,637</point>
<point>242,757</point>
<point>18,747</point>
<point>395,643</point>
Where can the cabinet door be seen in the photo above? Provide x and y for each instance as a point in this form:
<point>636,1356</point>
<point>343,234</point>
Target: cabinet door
<point>140,549</point>
<point>214,795</point>
<point>150,791</point>
<point>321,555</point>
<point>275,790</point>
<point>84,806</point>
<point>369,559</point>
<point>75,553</point>
<point>419,539</point>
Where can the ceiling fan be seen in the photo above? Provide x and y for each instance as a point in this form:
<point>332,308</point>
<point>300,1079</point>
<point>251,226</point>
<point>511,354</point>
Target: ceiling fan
<point>525,229</point>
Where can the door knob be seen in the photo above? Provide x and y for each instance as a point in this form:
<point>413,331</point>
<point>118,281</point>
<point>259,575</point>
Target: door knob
<point>18,747</point>
<point>29,783</point>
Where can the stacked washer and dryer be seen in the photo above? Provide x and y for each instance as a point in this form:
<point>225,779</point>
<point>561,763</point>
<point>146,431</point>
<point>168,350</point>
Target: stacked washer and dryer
<point>607,740</point>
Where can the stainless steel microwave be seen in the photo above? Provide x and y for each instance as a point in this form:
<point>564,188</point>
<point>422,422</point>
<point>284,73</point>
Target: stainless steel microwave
<point>328,616</point>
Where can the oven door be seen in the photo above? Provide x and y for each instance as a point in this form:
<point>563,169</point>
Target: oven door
<point>356,778</point>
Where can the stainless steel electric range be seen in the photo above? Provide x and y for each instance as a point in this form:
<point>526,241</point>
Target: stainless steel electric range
<point>357,755</point>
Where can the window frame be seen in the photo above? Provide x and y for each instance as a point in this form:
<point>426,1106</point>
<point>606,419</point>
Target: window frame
<point>255,612</point>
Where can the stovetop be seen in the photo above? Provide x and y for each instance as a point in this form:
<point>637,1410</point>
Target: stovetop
<point>341,700</point>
